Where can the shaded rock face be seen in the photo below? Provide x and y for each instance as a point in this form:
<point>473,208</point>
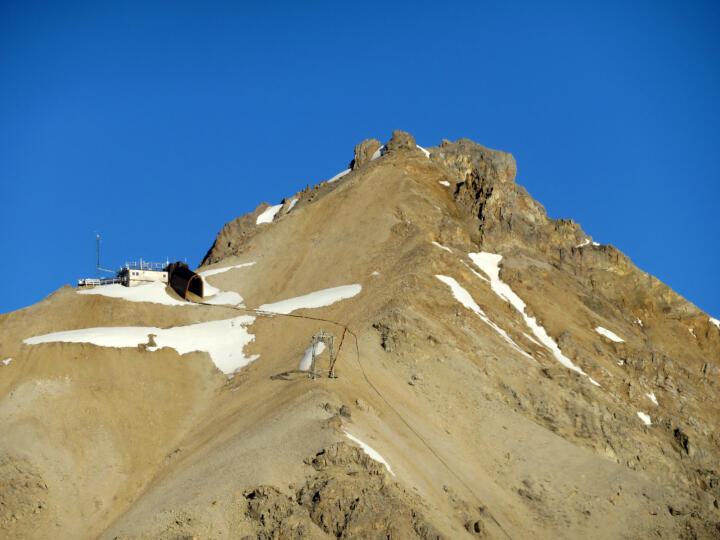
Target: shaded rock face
<point>233,236</point>
<point>485,189</point>
<point>508,218</point>
<point>363,152</point>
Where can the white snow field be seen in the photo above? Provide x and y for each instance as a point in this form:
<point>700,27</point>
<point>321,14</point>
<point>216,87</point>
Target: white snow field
<point>692,332</point>
<point>463,296</point>
<point>153,292</point>
<point>612,336</point>
<point>312,300</point>
<point>378,153</point>
<point>489,263</point>
<point>214,271</point>
<point>7,361</point>
<point>338,176</point>
<point>644,417</point>
<point>444,183</point>
<point>307,357</point>
<point>715,322</point>
<point>651,397</point>
<point>370,451</point>
<point>427,154</point>
<point>292,205</point>
<point>223,340</point>
<point>268,215</point>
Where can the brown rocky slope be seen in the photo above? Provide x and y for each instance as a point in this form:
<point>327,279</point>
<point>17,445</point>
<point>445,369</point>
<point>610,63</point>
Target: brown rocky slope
<point>486,432</point>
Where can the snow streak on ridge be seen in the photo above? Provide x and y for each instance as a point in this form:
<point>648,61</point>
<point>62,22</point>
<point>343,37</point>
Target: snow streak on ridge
<point>463,296</point>
<point>370,451</point>
<point>612,336</point>
<point>215,271</point>
<point>268,215</point>
<point>315,299</point>
<point>490,264</point>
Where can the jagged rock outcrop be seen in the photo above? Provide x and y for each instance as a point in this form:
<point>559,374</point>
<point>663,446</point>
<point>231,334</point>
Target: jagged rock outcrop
<point>507,215</point>
<point>363,152</point>
<point>401,140</point>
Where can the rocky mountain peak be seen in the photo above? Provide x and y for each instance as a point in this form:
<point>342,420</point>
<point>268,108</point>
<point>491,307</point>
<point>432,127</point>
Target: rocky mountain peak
<point>502,375</point>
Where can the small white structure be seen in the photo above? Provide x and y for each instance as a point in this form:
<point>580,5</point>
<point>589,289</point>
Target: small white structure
<point>136,274</point>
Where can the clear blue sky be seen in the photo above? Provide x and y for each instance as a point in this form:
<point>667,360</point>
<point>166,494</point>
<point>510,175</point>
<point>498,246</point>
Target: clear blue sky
<point>128,117</point>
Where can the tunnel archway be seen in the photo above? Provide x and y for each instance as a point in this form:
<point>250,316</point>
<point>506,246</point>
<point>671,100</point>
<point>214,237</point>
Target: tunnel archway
<point>195,286</point>
<point>185,282</point>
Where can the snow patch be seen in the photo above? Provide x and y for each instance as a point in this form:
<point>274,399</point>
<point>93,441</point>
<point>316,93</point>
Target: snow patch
<point>225,298</point>
<point>427,154</point>
<point>644,417</point>
<point>223,340</point>
<point>639,321</point>
<point>378,153</point>
<point>463,296</point>
<point>339,175</point>
<point>215,271</point>
<point>434,243</point>
<point>692,332</point>
<point>268,215</point>
<point>292,205</point>
<point>7,361</point>
<point>154,292</point>
<point>370,451</point>
<point>444,183</point>
<point>489,263</point>
<point>307,356</point>
<point>586,242</point>
<point>315,299</point>
<point>651,396</point>
<point>612,336</point>
<point>715,322</point>
<point>375,273</point>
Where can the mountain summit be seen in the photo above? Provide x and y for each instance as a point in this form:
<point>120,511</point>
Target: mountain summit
<point>497,374</point>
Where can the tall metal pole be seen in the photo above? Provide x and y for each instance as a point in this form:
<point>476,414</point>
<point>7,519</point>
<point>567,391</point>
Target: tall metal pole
<point>97,255</point>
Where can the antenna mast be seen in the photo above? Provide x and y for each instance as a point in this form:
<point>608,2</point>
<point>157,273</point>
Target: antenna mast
<point>98,268</point>
<point>97,255</point>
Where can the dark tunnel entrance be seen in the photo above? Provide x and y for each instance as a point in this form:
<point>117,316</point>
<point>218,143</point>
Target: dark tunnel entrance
<point>195,286</point>
<point>185,282</point>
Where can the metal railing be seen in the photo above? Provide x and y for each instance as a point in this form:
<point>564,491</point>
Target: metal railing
<point>146,265</point>
<point>94,282</point>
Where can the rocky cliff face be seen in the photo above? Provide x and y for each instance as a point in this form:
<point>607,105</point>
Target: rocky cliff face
<point>501,375</point>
